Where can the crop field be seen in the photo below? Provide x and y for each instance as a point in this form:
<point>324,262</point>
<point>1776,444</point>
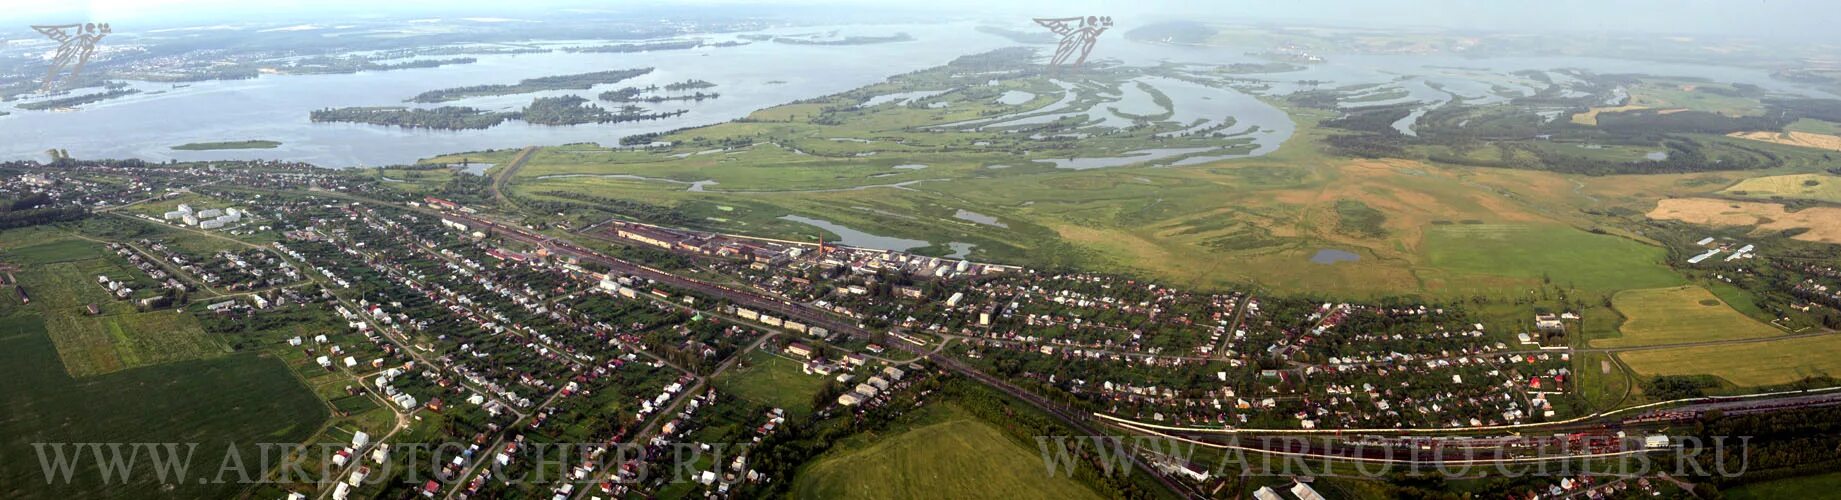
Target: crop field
<point>242,398</point>
<point>773,381</point>
<point>1753,364</point>
<point>1814,126</point>
<point>1821,224</point>
<point>120,337</point>
<point>1810,140</point>
<point>951,454</point>
<point>1697,96</point>
<point>1817,187</point>
<point>1532,253</point>
<point>1663,316</point>
<point>1816,486</point>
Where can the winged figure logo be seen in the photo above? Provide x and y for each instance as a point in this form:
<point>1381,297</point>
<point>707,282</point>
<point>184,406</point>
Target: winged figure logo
<point>76,43</point>
<point>1078,34</point>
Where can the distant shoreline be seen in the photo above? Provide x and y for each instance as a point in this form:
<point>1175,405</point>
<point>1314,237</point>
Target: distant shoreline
<point>213,146</point>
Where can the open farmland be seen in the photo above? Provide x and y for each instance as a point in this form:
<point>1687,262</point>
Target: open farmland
<point>1752,364</point>
<point>1822,224</point>
<point>950,454</point>
<point>61,278</point>
<point>1532,253</point>
<point>1662,316</point>
<point>1793,138</point>
<point>1817,187</point>
<point>243,398</point>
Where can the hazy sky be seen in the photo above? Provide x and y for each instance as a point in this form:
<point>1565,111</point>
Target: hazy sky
<point>1809,19</point>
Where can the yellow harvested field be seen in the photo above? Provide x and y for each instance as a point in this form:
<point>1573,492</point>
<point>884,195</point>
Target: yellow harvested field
<point>1590,117</point>
<point>1679,315</point>
<point>1748,365</point>
<point>1823,224</point>
<point>1801,139</point>
<point>1818,187</point>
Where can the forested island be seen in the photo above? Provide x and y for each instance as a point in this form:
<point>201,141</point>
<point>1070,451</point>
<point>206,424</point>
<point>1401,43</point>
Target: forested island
<point>208,146</point>
<point>638,94</point>
<point>573,110</point>
<point>442,118</point>
<point>650,47</point>
<point>561,110</point>
<point>561,82</point>
<point>345,65</point>
<point>74,101</point>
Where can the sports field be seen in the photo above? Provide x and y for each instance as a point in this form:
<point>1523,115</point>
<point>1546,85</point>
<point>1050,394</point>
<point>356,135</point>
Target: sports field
<point>1746,365</point>
<point>950,454</point>
<point>1678,315</point>
<point>773,381</point>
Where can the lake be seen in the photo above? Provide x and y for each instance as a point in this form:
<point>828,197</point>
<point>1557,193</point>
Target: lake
<point>1332,256</point>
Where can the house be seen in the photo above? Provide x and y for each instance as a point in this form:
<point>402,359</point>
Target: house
<point>868,391</point>
<point>893,373</point>
<point>1304,492</point>
<point>1549,323</point>
<point>799,349</point>
<point>849,399</point>
<point>1266,493</point>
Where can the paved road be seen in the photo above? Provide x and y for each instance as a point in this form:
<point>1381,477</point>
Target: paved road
<point>504,176</point>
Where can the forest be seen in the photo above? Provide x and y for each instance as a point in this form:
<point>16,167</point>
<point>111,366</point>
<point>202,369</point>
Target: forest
<point>528,85</point>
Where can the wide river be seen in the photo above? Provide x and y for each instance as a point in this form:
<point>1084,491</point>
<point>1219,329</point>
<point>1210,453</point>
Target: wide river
<point>749,77</point>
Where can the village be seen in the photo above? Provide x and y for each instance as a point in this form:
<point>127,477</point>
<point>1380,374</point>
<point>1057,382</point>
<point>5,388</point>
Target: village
<point>521,344</point>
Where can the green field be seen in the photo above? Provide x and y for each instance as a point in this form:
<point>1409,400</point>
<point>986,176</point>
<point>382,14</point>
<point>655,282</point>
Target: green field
<point>1817,486</point>
<point>948,454</point>
<point>1755,364</point>
<point>1663,316</point>
<point>242,398</point>
<point>1567,256</point>
<point>1814,126</point>
<point>1601,381</point>
<point>771,380</point>
<point>208,146</point>
<point>60,276</point>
